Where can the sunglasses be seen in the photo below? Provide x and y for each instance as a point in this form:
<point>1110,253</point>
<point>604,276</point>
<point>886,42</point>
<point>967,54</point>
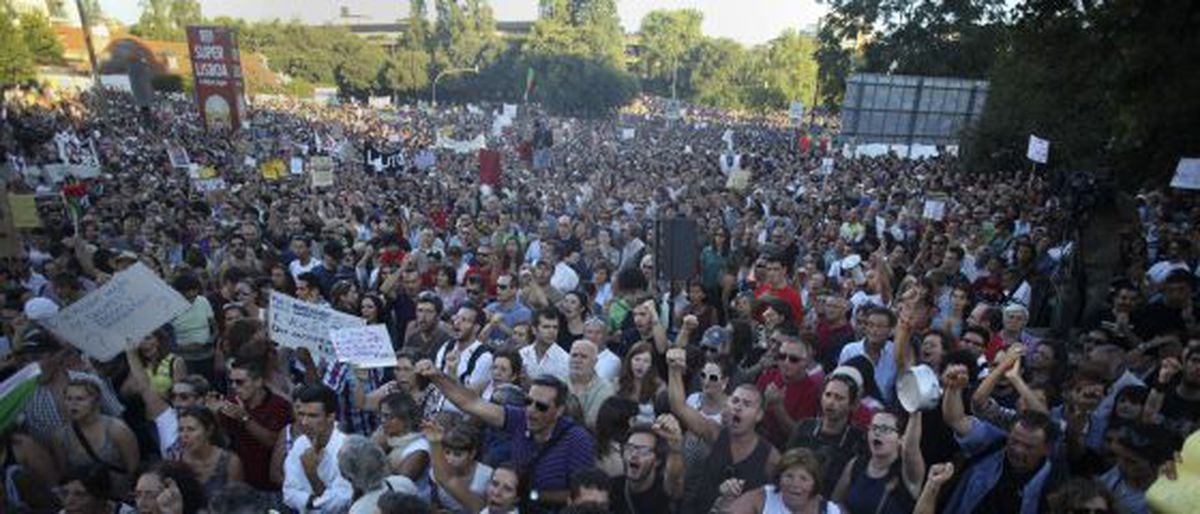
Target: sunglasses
<point>794,359</point>
<point>712,377</point>
<point>541,406</point>
<point>502,287</point>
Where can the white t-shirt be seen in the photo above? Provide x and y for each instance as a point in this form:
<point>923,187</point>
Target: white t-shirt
<point>297,269</point>
<point>608,365</point>
<point>696,401</point>
<point>556,362</point>
<point>420,444</point>
<point>478,487</point>
<point>478,377</point>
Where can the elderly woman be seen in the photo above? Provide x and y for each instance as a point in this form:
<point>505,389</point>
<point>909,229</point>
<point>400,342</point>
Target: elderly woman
<point>797,482</point>
<point>91,438</point>
<point>364,465</point>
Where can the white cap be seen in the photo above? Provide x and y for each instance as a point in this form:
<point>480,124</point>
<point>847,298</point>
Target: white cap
<point>39,308</point>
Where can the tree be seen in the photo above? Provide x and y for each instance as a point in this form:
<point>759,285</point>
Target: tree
<point>406,71</point>
<point>717,73</point>
<point>16,66</point>
<point>788,68</point>
<point>666,36</point>
<point>357,73</point>
<point>40,38</point>
<point>167,19</point>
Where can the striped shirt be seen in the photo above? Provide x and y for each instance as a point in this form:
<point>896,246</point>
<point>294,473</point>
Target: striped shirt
<point>570,448</point>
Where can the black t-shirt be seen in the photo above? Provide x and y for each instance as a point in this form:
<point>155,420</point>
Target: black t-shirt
<point>651,501</point>
<point>1180,415</point>
<point>1005,496</point>
<point>833,450</point>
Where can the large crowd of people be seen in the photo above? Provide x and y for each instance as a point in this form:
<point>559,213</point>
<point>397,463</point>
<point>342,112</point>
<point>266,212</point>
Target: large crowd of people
<point>545,359</point>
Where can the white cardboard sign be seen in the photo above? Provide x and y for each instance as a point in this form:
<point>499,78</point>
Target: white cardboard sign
<point>1039,149</point>
<point>1187,174</point>
<point>130,306</point>
<point>934,210</point>
<point>364,347</point>
<point>297,324</point>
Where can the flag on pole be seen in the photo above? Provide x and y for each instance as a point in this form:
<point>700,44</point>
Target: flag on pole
<point>529,83</point>
<point>15,391</point>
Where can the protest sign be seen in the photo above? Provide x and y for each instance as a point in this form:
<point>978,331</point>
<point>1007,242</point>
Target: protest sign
<point>297,324</point>
<point>322,171</point>
<point>796,112</point>
<point>296,167</point>
<point>1187,174</point>
<point>217,72</point>
<point>379,162</point>
<point>72,150</point>
<point>209,185</point>
<point>178,156</point>
<point>935,209</point>
<point>462,147</point>
<point>272,169</point>
<point>628,133</point>
<point>827,166</point>
<point>379,102</point>
<point>364,347</point>
<point>23,209</point>
<point>510,111</point>
<point>130,306</point>
<point>1039,149</point>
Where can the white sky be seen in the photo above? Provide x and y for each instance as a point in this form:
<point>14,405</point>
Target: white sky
<point>747,21</point>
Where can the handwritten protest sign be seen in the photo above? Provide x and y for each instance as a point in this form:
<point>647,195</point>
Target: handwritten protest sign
<point>209,185</point>
<point>23,209</point>
<point>364,347</point>
<point>827,166</point>
<point>296,324</point>
<point>628,133</point>
<point>796,111</point>
<point>935,209</point>
<point>322,171</point>
<point>1187,174</point>
<point>1039,149</point>
<point>131,305</point>
<point>296,166</point>
<point>178,156</point>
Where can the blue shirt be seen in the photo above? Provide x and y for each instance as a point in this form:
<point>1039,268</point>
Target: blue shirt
<point>980,478</point>
<point>885,368</point>
<point>514,315</point>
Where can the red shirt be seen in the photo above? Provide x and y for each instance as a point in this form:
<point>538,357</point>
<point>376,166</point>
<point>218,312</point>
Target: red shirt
<point>273,413</point>
<point>787,294</point>
<point>801,399</point>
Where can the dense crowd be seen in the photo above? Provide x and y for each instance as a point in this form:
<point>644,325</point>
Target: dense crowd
<point>544,364</point>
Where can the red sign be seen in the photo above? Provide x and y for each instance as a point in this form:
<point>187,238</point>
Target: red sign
<point>217,71</point>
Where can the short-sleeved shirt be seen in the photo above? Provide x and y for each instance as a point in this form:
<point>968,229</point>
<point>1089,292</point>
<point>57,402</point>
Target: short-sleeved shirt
<point>555,362</point>
<point>571,448</point>
<point>191,326</point>
<point>801,399</point>
<point>273,413</point>
<point>885,368</point>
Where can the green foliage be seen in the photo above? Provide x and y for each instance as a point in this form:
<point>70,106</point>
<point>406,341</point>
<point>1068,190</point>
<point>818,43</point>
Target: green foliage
<point>717,74</point>
<point>406,71</point>
<point>787,68</point>
<point>358,73</point>
<point>167,19</point>
<point>16,61</point>
<point>40,38</point>
<point>665,38</point>
<point>573,85</point>
<point>464,35</point>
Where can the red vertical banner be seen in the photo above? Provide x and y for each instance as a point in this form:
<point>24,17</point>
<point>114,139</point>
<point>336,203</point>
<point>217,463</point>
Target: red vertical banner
<point>217,71</point>
<point>489,167</point>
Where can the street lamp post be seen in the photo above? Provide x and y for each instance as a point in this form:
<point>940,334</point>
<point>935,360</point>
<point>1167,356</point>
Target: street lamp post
<point>433,91</point>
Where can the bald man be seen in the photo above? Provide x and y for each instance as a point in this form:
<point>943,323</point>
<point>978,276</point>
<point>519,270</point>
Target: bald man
<point>590,389</point>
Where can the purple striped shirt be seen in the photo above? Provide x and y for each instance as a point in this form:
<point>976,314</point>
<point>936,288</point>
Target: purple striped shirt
<point>573,449</point>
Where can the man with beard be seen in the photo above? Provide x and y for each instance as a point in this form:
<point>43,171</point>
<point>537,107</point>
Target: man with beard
<point>464,356</point>
<point>653,477</point>
<point>312,482</point>
<point>831,436</point>
<point>239,256</point>
<point>739,455</point>
<point>1007,473</point>
<point>427,332</point>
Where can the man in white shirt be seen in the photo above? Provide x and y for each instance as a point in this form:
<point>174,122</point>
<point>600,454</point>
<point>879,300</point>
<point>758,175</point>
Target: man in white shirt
<point>303,263</point>
<point>608,365</point>
<point>464,357</point>
<point>312,482</point>
<point>878,348</point>
<point>543,356</point>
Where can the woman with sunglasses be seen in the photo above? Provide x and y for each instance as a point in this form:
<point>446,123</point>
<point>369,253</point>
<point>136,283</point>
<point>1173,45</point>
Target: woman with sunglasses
<point>889,478</point>
<point>460,483</point>
<point>796,490</point>
<point>714,381</point>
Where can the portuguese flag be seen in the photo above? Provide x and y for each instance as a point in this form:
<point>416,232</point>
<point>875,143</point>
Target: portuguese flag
<point>15,391</point>
<point>529,83</point>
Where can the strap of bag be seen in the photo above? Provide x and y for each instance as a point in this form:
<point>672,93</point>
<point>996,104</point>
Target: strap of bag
<point>87,447</point>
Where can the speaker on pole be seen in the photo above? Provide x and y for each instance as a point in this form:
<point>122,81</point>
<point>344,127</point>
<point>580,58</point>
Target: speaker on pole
<point>676,251</point>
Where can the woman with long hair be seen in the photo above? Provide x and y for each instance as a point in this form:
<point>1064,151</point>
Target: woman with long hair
<point>612,425</point>
<point>796,490</point>
<point>639,381</point>
<point>889,478</point>
<point>446,286</point>
<point>374,309</point>
<point>91,438</point>
<point>574,310</point>
<point>202,449</point>
<point>163,367</point>
<point>345,297</point>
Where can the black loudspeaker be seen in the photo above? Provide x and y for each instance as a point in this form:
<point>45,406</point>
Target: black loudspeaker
<point>676,252</point>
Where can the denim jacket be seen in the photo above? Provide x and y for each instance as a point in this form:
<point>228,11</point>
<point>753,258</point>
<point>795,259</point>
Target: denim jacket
<point>980,478</point>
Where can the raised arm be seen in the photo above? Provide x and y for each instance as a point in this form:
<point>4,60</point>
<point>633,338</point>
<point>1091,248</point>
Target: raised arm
<point>691,418</point>
<point>461,396</point>
<point>1006,362</point>
<point>667,427</point>
<point>441,469</point>
<point>938,475</point>
<point>1032,401</point>
<point>954,379</point>
<point>914,462</point>
<point>1167,371</point>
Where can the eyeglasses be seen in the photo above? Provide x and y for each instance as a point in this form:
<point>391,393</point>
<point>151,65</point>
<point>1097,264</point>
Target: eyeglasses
<point>638,450</point>
<point>712,377</point>
<point>502,287</point>
<point>884,429</point>
<point>541,406</point>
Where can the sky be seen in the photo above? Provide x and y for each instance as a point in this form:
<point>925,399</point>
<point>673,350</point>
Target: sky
<point>747,21</point>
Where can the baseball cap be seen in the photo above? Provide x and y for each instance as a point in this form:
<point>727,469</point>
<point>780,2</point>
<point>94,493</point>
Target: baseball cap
<point>38,309</point>
<point>714,337</point>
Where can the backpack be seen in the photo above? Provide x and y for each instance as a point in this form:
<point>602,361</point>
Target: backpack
<point>471,361</point>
